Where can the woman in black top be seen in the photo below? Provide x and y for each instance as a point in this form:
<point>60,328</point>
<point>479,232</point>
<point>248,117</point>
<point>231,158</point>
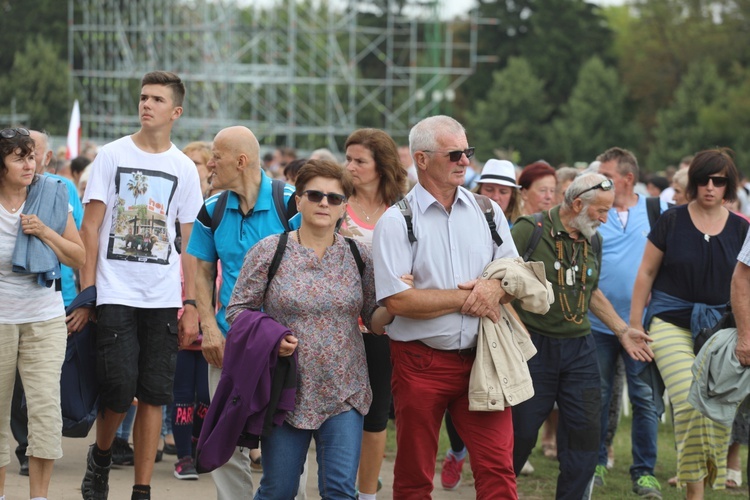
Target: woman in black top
<point>687,268</point>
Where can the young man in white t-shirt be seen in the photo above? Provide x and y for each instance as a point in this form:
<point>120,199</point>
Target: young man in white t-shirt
<point>139,187</point>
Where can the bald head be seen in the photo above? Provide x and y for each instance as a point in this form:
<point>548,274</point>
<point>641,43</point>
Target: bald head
<point>235,160</point>
<point>238,141</point>
<point>41,150</point>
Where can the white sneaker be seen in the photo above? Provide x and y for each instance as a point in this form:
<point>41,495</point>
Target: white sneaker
<point>527,469</point>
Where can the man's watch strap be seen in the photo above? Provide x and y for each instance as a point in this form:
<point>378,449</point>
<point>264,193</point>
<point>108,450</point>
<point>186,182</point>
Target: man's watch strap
<point>189,302</point>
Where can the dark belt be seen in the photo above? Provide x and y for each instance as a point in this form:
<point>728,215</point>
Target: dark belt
<point>461,352</point>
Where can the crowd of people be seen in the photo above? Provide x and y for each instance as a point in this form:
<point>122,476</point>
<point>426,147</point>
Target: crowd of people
<point>247,305</point>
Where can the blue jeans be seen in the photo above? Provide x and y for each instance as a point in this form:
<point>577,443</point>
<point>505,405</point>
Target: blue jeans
<point>126,427</point>
<point>563,370</point>
<point>337,442</point>
<point>645,417</point>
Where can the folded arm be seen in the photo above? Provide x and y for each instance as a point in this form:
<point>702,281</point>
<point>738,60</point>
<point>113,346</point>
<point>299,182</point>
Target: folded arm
<point>93,216</point>
<point>67,246</point>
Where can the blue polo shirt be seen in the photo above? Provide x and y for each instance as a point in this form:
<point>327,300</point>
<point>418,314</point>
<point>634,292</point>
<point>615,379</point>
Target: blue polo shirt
<point>622,251</point>
<point>67,275</point>
<point>235,236</point>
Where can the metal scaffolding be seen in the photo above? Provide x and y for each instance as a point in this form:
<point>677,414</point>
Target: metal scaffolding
<point>300,74</point>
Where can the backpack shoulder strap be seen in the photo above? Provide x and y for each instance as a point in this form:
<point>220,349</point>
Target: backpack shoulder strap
<point>277,189</point>
<point>405,209</point>
<point>653,209</point>
<point>357,256</point>
<point>218,214</point>
<point>535,236</point>
<point>596,244</point>
<point>291,206</point>
<point>489,213</point>
<point>277,256</point>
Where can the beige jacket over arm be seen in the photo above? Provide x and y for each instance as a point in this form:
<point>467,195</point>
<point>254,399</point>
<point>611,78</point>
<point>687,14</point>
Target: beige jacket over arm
<point>500,376</point>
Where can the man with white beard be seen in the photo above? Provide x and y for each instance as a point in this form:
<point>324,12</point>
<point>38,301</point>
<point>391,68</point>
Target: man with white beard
<point>565,369</point>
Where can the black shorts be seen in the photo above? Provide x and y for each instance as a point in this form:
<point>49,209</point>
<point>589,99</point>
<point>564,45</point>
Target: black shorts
<point>136,355</point>
<point>378,352</point>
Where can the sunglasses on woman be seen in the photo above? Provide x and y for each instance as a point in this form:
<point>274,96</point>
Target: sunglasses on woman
<point>10,133</point>
<point>334,199</point>
<point>718,180</point>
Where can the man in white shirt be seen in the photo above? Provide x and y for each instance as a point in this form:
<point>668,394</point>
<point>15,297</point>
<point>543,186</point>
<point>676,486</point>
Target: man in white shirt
<point>434,334</point>
<point>139,187</point>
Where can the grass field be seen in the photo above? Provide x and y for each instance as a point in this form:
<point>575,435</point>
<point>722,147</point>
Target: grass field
<point>541,485</point>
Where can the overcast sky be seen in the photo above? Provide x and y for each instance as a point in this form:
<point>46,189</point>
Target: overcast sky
<point>453,7</point>
<point>449,8</point>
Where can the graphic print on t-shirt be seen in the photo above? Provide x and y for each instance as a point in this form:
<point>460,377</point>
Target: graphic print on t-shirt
<point>140,231</point>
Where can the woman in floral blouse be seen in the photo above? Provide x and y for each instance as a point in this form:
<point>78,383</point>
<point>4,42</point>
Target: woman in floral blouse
<point>318,294</point>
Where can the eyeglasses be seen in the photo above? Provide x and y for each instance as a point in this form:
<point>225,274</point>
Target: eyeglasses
<point>334,199</point>
<point>605,185</point>
<point>454,156</point>
<point>10,133</point>
<point>718,180</point>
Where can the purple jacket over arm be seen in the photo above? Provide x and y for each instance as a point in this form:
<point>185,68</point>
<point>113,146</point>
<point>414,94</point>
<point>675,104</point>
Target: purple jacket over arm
<point>255,388</point>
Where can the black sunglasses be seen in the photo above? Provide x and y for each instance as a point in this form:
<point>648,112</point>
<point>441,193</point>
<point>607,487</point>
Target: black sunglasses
<point>605,185</point>
<point>334,199</point>
<point>454,156</point>
<point>718,180</point>
<point>10,133</point>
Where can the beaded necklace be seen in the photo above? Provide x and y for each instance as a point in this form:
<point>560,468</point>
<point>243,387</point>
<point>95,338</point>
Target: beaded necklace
<point>567,278</point>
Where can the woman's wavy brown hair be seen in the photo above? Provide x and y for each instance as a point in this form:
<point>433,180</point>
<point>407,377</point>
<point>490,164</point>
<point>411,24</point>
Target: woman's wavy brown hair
<point>9,147</point>
<point>385,153</point>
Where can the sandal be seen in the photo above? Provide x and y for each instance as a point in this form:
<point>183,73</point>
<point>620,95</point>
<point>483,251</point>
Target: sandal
<point>734,479</point>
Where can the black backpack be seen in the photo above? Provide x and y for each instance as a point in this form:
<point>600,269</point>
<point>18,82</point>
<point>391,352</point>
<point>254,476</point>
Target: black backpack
<point>281,248</point>
<point>277,189</point>
<point>482,201</point>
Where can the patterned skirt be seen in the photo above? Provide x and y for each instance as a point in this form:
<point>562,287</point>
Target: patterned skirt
<point>701,443</point>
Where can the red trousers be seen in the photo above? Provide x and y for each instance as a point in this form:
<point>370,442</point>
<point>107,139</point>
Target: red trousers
<point>426,382</point>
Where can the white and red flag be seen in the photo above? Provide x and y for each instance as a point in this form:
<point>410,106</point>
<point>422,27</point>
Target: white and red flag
<point>74,133</point>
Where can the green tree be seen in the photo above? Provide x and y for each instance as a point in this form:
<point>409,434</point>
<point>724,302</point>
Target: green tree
<point>680,129</point>
<point>21,21</point>
<point>555,36</point>
<point>656,41</point>
<point>594,118</point>
<point>729,118</point>
<point>39,82</point>
<point>511,118</point>
<point>565,34</point>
